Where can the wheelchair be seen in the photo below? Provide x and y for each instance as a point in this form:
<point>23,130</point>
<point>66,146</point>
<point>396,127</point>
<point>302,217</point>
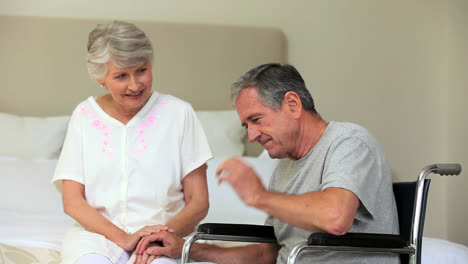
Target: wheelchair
<point>411,201</point>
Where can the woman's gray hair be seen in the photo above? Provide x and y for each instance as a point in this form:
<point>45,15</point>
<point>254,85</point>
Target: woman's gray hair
<point>273,81</point>
<point>123,43</point>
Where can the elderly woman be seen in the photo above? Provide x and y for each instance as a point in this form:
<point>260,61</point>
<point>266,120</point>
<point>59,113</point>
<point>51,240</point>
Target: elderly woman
<point>133,161</point>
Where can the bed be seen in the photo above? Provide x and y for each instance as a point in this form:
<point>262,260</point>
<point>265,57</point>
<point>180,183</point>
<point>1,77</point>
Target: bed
<point>44,74</point>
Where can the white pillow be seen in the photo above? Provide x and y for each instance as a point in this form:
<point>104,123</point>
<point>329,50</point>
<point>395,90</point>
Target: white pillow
<point>224,132</point>
<point>32,137</point>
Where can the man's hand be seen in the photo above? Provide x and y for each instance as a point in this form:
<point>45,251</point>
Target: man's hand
<point>243,179</point>
<point>129,241</point>
<point>147,251</point>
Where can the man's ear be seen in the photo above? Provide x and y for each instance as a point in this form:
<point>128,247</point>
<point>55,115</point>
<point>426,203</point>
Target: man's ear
<point>292,104</point>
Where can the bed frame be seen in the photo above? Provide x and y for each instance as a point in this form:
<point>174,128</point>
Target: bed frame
<point>43,62</point>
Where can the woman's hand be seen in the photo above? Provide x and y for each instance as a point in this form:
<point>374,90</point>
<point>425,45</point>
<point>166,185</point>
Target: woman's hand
<point>76,206</point>
<point>130,241</point>
<point>145,257</point>
<point>157,245</point>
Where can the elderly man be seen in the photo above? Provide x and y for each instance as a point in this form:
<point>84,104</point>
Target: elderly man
<point>332,177</point>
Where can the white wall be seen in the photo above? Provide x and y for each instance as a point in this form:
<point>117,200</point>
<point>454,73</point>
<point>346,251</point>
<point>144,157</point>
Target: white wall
<point>395,67</point>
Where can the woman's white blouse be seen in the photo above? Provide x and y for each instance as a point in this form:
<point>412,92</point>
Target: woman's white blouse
<point>132,173</point>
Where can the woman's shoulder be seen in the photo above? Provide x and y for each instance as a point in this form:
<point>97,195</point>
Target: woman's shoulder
<point>172,101</point>
<point>85,106</point>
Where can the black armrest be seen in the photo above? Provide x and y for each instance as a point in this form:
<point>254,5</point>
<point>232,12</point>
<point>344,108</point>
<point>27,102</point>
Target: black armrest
<point>266,232</point>
<point>358,240</point>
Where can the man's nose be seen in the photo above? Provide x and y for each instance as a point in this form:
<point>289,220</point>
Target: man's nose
<point>253,133</point>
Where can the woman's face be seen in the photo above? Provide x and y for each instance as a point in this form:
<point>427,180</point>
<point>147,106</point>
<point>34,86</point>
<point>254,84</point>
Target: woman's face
<point>130,88</point>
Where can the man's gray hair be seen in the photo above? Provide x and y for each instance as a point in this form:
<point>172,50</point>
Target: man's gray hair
<point>123,43</point>
<point>273,81</point>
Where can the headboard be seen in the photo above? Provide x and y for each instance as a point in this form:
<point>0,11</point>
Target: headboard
<point>43,62</point>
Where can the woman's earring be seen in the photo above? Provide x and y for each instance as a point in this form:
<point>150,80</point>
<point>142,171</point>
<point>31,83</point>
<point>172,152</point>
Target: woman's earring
<point>102,86</point>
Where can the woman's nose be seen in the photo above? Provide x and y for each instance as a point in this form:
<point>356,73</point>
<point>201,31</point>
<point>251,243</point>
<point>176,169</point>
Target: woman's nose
<point>133,83</point>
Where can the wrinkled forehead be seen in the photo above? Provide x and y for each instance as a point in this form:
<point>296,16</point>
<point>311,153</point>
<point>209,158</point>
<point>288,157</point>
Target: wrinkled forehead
<point>249,104</point>
<point>247,97</point>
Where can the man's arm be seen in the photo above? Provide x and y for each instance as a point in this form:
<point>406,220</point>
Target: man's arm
<point>255,253</point>
<point>331,210</point>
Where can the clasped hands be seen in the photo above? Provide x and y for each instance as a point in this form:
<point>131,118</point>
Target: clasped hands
<point>161,243</point>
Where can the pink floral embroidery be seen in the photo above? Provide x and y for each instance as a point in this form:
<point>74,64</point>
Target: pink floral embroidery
<point>141,146</point>
<point>107,148</point>
<point>150,121</point>
<point>96,123</point>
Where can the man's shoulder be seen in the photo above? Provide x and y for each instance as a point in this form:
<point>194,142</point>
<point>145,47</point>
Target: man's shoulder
<point>347,127</point>
<point>343,130</point>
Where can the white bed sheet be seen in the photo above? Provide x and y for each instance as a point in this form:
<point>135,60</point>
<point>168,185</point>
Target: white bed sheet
<point>31,211</point>
<point>44,231</point>
<point>439,251</point>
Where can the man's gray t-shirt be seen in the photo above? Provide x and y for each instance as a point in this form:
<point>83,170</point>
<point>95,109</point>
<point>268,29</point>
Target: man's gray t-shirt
<point>348,157</point>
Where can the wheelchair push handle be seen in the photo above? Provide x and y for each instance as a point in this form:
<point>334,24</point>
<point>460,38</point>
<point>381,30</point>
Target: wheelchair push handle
<point>441,169</point>
<point>448,169</point>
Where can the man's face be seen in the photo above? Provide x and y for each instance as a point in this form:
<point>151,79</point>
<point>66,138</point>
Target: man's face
<point>273,129</point>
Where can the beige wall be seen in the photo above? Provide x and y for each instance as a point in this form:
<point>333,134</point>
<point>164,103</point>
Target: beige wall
<point>457,120</point>
<point>396,67</point>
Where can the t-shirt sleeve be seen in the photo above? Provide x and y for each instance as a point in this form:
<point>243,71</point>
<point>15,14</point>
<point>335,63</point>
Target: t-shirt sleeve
<point>195,150</point>
<point>70,163</point>
<point>269,220</point>
<point>354,166</point>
